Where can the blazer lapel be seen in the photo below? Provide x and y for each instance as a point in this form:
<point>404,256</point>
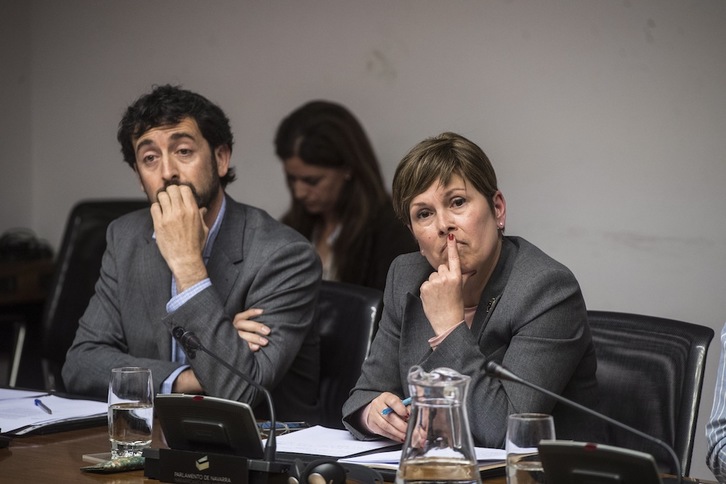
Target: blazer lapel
<point>494,289</point>
<point>484,312</point>
<point>224,266</point>
<point>156,277</point>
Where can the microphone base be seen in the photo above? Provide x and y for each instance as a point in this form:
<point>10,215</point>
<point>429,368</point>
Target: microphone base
<point>570,461</point>
<point>192,467</point>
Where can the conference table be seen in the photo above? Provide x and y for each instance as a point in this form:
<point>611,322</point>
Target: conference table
<point>58,457</point>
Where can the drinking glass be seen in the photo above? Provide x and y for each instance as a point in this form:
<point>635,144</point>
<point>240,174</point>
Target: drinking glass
<point>524,432</point>
<point>130,411</point>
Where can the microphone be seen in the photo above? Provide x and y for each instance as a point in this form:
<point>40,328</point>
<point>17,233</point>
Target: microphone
<point>498,371</point>
<point>191,343</point>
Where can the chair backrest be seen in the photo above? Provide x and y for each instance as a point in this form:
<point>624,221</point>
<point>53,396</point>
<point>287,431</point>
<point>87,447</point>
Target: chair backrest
<point>650,374</point>
<point>347,318</point>
<point>78,265</point>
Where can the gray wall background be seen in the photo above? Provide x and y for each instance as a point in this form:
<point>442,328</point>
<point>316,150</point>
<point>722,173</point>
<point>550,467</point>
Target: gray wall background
<point>605,120</point>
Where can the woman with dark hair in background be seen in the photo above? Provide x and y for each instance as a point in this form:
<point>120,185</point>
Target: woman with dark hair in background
<point>339,201</point>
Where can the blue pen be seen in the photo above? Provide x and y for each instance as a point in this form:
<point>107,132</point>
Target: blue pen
<point>387,410</point>
<point>43,406</point>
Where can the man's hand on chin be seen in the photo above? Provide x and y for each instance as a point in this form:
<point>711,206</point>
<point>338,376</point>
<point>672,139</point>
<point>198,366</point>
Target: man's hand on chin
<point>180,234</point>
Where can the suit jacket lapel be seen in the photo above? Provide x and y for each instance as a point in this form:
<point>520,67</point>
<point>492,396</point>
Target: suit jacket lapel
<point>228,250</point>
<point>494,289</point>
<point>156,277</point>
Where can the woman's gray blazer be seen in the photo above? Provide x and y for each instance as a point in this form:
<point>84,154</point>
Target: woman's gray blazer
<point>531,319</point>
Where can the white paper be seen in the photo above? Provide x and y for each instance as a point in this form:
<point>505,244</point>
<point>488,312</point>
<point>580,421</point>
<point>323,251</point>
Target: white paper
<point>22,413</point>
<point>319,440</point>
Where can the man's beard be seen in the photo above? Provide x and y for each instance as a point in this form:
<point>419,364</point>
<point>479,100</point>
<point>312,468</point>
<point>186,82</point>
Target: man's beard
<point>203,199</point>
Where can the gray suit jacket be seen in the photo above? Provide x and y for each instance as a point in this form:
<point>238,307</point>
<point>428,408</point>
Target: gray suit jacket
<point>256,262</point>
<point>531,318</point>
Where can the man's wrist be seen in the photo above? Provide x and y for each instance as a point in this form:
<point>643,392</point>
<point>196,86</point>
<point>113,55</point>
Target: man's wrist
<point>188,277</point>
<point>186,382</point>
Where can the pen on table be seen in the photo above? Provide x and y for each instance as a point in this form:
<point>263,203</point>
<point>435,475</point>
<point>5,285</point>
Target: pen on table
<point>43,406</point>
<point>405,401</point>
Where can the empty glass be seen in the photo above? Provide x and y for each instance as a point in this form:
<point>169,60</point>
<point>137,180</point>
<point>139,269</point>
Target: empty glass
<point>130,411</point>
<point>524,432</point>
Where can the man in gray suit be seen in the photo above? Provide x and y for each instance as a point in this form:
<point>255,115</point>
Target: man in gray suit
<point>194,260</point>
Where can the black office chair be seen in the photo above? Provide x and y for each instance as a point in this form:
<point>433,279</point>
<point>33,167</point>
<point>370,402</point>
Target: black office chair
<point>347,320</point>
<point>77,268</point>
<point>650,374</point>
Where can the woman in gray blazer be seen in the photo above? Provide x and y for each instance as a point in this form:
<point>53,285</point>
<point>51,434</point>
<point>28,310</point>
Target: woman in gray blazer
<point>472,295</point>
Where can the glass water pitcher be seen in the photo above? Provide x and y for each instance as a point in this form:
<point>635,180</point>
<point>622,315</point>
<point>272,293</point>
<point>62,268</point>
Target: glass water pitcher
<point>439,447</point>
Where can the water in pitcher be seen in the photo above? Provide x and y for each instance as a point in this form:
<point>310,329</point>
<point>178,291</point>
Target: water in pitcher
<point>433,471</point>
<point>129,428</point>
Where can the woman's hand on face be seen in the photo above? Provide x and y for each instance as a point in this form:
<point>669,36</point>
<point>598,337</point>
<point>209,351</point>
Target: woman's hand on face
<point>442,294</point>
<point>251,331</point>
<point>393,425</point>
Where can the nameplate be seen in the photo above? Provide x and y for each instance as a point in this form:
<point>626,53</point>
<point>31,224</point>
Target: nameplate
<point>195,467</point>
<point>186,467</point>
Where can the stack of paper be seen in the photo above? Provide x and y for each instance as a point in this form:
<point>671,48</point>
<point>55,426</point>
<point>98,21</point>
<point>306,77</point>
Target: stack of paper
<point>328,442</point>
<point>377,453</point>
<point>23,412</point>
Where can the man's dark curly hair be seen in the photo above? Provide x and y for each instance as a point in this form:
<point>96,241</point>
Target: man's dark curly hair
<point>168,105</point>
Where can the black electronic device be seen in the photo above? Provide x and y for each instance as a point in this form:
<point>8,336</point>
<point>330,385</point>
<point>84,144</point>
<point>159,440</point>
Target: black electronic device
<point>580,462</point>
<point>212,438</point>
<point>206,433</point>
<point>197,422</point>
<point>496,370</point>
<point>191,344</point>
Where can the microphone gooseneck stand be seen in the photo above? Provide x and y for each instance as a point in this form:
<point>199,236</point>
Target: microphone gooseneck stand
<point>191,343</point>
<point>498,371</point>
